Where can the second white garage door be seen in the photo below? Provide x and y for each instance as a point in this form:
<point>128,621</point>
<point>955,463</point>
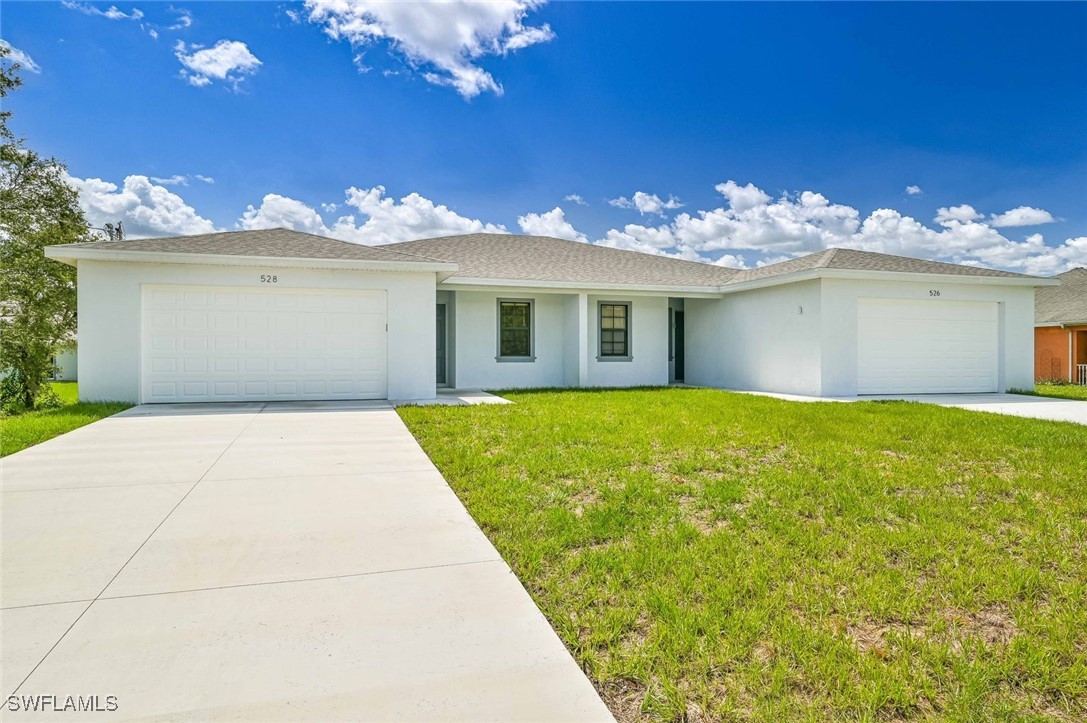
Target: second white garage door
<point>926,347</point>
<point>206,343</point>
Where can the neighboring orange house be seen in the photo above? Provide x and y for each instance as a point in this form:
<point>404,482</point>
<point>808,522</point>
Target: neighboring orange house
<point>1060,329</point>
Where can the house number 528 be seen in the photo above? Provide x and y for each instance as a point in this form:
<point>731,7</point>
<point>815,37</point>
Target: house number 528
<point>268,279</point>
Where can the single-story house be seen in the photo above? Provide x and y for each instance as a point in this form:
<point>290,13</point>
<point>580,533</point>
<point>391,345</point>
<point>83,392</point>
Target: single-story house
<point>1060,329</point>
<point>283,315</point>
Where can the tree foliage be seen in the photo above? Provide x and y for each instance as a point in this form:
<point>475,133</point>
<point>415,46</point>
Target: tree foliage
<point>37,295</point>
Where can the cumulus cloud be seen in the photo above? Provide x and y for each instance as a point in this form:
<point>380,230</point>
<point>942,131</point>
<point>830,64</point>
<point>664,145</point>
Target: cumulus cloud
<point>21,57</point>
<point>748,228</point>
<point>913,191</point>
<point>276,211</point>
<point>229,61</point>
<point>794,224</point>
<point>552,223</point>
<point>386,220</point>
<point>576,199</point>
<point>647,203</point>
<point>146,208</point>
<point>956,214</point>
<point>443,40</point>
<point>1021,216</point>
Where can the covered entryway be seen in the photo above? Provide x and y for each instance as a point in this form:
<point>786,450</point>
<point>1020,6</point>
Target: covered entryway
<point>220,344</point>
<point>908,346</point>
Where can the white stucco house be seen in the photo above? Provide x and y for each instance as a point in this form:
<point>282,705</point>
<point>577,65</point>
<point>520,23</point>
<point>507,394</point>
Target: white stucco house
<point>283,315</point>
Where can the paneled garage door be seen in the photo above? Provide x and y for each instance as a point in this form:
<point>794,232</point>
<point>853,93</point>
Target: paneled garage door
<point>219,344</point>
<point>926,347</point>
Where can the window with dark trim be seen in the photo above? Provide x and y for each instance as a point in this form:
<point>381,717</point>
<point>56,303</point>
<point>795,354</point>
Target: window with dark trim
<point>614,330</point>
<point>514,329</point>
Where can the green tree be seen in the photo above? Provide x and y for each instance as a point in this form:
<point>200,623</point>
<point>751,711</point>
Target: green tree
<point>37,295</point>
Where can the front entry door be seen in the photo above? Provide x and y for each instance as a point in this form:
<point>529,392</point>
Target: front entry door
<point>440,345</point>
<point>678,351</point>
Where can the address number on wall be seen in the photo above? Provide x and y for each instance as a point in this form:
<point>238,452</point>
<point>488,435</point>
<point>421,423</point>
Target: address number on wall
<point>269,279</point>
<point>933,292</point>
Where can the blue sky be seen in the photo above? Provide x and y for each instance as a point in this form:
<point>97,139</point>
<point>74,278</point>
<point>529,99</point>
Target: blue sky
<point>751,132</point>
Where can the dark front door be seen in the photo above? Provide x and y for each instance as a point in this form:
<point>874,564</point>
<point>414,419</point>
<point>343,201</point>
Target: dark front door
<point>678,340</point>
<point>440,345</point>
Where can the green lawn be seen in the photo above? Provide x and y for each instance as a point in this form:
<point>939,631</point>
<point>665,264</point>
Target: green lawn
<point>1064,391</point>
<point>715,556</point>
<point>26,430</point>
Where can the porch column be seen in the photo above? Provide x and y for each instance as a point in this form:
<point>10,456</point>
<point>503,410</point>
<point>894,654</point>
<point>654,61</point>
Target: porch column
<point>583,340</point>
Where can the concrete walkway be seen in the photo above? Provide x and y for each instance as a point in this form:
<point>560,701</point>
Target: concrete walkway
<point>263,562</point>
<point>1015,405</point>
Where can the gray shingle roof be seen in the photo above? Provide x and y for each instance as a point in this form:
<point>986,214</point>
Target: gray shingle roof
<point>853,260</point>
<point>541,258</point>
<point>276,242</point>
<point>1064,304</point>
<point>531,258</point>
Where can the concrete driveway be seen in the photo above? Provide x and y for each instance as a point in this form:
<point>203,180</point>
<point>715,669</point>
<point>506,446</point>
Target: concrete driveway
<point>1014,405</point>
<point>278,561</point>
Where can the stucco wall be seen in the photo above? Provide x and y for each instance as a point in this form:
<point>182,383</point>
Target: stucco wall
<point>839,326</point>
<point>760,340</point>
<point>648,364</point>
<point>109,299</point>
<point>477,342</point>
<point>555,342</point>
<point>67,360</point>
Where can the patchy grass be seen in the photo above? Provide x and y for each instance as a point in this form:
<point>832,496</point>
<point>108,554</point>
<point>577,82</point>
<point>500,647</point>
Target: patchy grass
<point>25,430</point>
<point>715,556</point>
<point>1062,391</point>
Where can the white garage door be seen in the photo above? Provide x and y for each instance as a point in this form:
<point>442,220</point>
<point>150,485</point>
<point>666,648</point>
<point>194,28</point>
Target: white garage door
<point>219,344</point>
<point>926,347</point>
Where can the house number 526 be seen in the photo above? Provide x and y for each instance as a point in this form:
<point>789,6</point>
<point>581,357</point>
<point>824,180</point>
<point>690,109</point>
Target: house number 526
<point>268,279</point>
<point>933,292</point>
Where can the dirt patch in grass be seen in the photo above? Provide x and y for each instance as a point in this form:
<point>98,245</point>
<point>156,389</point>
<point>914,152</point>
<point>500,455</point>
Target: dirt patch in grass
<point>993,624</point>
<point>623,698</point>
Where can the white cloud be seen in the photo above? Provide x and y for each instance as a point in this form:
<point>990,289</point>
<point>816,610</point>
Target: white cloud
<point>1021,216</point>
<point>647,203</point>
<point>181,179</point>
<point>21,57</point>
<point>277,211</point>
<point>445,40</point>
<point>956,214</point>
<point>110,13</point>
<point>913,191</point>
<point>228,60</point>
<point>386,220</point>
<point>553,223</point>
<point>146,208</point>
<point>795,224</point>
<point>175,180</point>
<point>184,19</point>
<point>749,228</point>
<point>576,199</point>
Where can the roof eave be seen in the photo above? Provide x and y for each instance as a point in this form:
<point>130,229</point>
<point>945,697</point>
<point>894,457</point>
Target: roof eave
<point>1060,324</point>
<point>469,283</point>
<point>73,255</point>
<point>865,275</point>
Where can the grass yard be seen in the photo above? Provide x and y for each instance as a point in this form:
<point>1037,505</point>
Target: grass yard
<point>1063,391</point>
<point>26,430</point>
<point>709,556</point>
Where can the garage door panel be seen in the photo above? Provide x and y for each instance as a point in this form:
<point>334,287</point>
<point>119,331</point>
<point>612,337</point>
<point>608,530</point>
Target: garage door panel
<point>926,346</point>
<point>263,344</point>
